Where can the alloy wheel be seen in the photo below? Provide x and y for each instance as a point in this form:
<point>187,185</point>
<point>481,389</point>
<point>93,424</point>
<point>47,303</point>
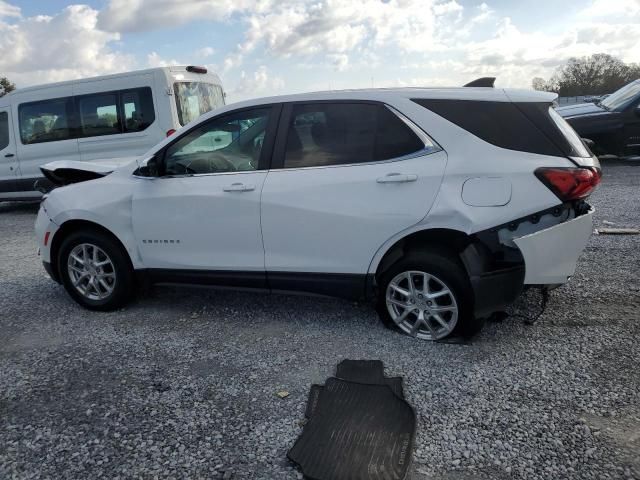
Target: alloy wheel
<point>422,305</point>
<point>91,271</point>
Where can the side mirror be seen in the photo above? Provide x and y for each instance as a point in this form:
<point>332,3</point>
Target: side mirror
<point>149,168</point>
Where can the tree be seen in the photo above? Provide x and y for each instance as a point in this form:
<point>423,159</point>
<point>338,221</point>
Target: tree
<point>597,74</point>
<point>6,86</point>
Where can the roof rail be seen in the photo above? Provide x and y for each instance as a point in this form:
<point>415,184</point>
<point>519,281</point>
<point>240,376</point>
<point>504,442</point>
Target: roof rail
<point>482,82</point>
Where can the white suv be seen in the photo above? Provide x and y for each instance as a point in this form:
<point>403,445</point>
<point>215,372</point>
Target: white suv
<point>438,204</point>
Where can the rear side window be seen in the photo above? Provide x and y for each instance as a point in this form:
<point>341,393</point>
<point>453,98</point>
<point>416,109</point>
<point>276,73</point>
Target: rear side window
<point>322,134</point>
<point>4,130</point>
<point>46,121</point>
<point>503,124</point>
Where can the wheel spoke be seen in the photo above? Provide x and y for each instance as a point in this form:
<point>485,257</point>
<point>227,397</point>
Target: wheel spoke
<point>432,330</point>
<point>447,308</point>
<point>77,259</point>
<point>418,323</point>
<point>441,321</point>
<point>399,303</point>
<point>425,283</point>
<point>400,290</point>
<point>438,294</point>
<point>412,288</point>
<point>80,278</point>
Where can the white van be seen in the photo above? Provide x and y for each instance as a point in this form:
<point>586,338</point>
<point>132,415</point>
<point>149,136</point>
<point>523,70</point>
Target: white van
<point>109,117</point>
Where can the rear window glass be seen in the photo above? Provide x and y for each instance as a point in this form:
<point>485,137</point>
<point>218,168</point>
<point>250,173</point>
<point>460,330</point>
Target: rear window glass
<point>570,134</point>
<point>4,130</point>
<point>196,98</point>
<point>322,134</point>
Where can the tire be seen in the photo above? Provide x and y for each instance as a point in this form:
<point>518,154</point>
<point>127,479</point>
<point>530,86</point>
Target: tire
<point>109,284</point>
<point>431,309</point>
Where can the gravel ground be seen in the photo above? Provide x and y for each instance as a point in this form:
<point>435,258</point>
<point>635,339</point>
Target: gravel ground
<point>182,384</point>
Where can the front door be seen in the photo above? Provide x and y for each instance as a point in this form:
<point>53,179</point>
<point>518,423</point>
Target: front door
<point>201,216</point>
<point>348,178</point>
<point>8,157</point>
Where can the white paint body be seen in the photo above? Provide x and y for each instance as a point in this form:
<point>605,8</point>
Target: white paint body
<point>337,219</point>
<point>25,160</point>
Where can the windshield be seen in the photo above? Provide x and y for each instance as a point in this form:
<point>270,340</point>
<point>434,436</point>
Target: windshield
<point>196,98</point>
<point>620,98</point>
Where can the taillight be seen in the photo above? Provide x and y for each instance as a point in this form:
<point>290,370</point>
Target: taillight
<point>570,183</point>
<point>171,131</point>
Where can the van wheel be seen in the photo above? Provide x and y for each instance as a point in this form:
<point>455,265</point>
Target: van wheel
<point>95,270</point>
<point>426,295</point>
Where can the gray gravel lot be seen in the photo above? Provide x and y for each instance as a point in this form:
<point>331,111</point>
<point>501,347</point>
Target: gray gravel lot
<point>182,383</point>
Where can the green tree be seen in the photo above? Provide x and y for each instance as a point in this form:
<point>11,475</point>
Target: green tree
<point>598,74</point>
<point>6,86</point>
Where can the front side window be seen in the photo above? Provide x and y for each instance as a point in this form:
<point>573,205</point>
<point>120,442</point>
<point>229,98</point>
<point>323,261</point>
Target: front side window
<point>46,121</point>
<point>196,98</point>
<point>232,143</point>
<point>323,134</point>
<point>99,114</point>
<point>4,130</point>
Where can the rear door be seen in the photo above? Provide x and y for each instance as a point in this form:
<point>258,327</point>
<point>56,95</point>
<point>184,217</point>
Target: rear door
<point>346,177</point>
<point>8,159</point>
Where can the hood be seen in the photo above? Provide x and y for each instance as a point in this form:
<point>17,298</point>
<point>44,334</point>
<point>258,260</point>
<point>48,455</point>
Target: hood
<point>580,109</point>
<point>65,172</point>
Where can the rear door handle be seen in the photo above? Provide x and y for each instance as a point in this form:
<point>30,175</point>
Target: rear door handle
<point>397,178</point>
<point>8,155</point>
<point>239,187</point>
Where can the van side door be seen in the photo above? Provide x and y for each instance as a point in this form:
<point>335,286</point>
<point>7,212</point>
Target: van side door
<point>8,158</point>
<point>116,117</point>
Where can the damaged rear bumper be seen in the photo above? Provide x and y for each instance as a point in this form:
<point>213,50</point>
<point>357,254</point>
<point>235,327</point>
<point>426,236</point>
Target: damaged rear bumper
<point>551,255</point>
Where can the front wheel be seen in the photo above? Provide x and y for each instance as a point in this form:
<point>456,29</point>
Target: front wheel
<point>426,295</point>
<point>95,270</point>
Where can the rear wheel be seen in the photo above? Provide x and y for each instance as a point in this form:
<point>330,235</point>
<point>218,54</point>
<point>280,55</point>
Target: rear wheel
<point>95,270</point>
<point>426,295</point>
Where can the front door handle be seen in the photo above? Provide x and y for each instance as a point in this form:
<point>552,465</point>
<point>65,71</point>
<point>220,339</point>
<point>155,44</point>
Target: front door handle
<point>8,155</point>
<point>239,187</point>
<point>397,178</point>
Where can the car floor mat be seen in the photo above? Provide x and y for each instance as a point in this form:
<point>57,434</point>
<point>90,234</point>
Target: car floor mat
<point>357,431</point>
<point>370,372</point>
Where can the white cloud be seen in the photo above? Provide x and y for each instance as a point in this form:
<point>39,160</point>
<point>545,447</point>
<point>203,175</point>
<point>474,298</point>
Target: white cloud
<point>154,60</point>
<point>8,10</point>
<point>64,46</point>
<point>256,83</point>
<point>605,9</point>
<point>205,52</point>
<point>140,15</point>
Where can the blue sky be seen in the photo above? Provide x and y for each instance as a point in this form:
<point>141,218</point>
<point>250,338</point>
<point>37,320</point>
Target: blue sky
<point>263,47</point>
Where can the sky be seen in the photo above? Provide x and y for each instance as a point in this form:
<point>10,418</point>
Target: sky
<point>270,47</point>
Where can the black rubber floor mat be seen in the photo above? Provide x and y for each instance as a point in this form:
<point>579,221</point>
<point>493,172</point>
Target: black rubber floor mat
<point>370,372</point>
<point>357,431</point>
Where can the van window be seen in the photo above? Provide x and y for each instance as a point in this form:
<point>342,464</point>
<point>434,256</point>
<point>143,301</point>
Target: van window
<point>46,120</point>
<point>4,130</point>
<point>137,108</point>
<point>196,98</point>
<point>98,114</point>
<point>93,115</point>
<point>345,133</point>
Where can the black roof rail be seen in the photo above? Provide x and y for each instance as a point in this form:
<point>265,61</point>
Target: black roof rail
<point>482,82</point>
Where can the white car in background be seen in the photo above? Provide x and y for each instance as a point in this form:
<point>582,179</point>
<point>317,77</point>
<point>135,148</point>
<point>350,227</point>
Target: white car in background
<point>440,205</point>
<point>117,117</point>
